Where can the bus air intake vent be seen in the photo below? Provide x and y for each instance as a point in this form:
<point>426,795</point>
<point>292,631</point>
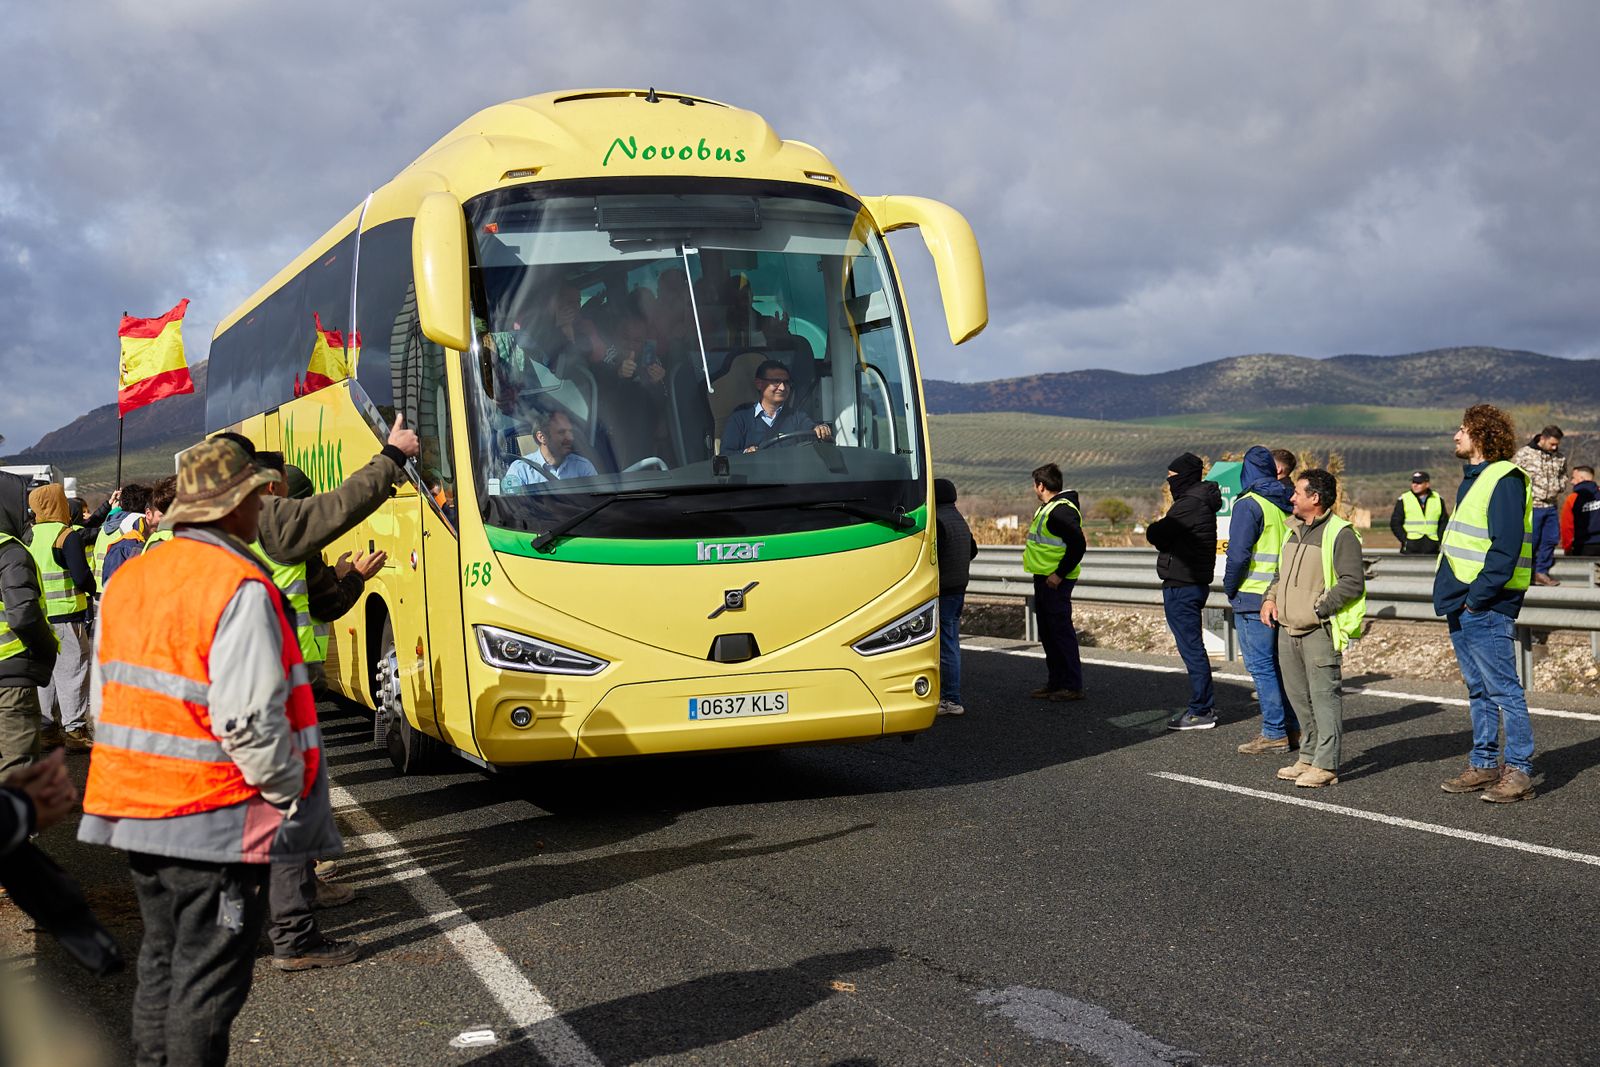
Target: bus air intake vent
<point>739,214</point>
<point>733,648</point>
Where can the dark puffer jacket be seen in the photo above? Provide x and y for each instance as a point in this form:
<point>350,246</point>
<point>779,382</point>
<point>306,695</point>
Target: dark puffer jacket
<point>956,544</point>
<point>1186,535</point>
<point>19,587</point>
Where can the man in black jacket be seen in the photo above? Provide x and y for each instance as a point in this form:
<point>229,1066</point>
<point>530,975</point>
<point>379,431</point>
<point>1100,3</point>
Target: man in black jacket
<point>1186,537</point>
<point>1419,518</point>
<point>27,643</point>
<point>956,551</point>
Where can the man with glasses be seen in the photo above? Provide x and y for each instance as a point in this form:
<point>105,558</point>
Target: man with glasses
<point>772,416</point>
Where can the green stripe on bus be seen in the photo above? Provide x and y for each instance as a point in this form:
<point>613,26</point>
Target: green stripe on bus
<point>686,550</point>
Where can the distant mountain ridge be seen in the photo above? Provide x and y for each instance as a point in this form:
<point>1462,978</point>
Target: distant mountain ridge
<point>1441,377</point>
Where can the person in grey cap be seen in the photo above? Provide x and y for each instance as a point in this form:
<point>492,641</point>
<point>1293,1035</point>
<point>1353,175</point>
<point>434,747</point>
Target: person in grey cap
<point>1418,519</point>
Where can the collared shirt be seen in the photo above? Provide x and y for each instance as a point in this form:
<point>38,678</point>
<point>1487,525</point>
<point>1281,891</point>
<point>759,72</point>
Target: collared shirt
<point>532,469</point>
<point>761,413</point>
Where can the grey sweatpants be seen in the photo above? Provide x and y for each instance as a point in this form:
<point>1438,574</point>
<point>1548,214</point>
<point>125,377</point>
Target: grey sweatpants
<point>66,699</point>
<point>1312,671</point>
<point>19,726</point>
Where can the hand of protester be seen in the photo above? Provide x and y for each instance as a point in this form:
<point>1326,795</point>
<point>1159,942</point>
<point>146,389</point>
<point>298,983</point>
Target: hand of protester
<point>752,448</point>
<point>627,367</point>
<point>342,566</point>
<point>655,372</point>
<point>116,497</point>
<point>824,432</point>
<point>1053,581</point>
<point>1269,613</point>
<point>47,785</point>
<point>403,439</point>
<point>370,564</point>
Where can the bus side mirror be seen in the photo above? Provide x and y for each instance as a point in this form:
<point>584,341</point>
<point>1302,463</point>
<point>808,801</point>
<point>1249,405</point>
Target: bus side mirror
<point>439,265</point>
<point>955,256</point>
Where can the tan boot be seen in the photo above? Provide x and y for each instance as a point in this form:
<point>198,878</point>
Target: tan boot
<point>1514,785</point>
<point>1293,772</point>
<point>1472,779</point>
<point>78,741</point>
<point>1264,745</point>
<point>1316,778</point>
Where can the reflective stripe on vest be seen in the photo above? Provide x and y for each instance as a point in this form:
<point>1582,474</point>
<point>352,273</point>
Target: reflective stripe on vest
<point>1346,624</point>
<point>157,756</point>
<point>313,637</point>
<point>10,644</point>
<point>102,544</point>
<point>1269,545</point>
<point>1466,536</point>
<point>61,594</point>
<point>1422,521</point>
<point>1043,552</point>
<point>155,539</point>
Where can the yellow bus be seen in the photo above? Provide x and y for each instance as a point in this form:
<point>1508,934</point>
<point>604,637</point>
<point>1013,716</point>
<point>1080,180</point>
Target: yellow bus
<point>674,489</point>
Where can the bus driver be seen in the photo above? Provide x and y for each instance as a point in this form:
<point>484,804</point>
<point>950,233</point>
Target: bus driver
<point>748,428</point>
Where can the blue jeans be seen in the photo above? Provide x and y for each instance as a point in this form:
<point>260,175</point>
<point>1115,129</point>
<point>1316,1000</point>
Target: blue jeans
<point>1259,643</point>
<point>1486,648</point>
<point>1063,665</point>
<point>950,646</point>
<point>1546,532</point>
<point>1183,607</point>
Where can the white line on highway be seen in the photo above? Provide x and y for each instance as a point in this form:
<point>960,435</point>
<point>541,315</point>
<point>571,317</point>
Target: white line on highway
<point>524,1005</point>
<point>1388,820</point>
<point>1361,690</point>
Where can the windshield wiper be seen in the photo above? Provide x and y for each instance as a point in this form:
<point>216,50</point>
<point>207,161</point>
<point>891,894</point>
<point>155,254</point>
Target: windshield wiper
<point>856,506</point>
<point>543,542</point>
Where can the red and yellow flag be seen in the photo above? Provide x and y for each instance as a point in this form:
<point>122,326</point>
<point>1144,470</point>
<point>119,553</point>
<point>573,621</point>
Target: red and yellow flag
<point>331,361</point>
<point>152,365</point>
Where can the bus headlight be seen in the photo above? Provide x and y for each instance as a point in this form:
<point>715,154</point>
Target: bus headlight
<point>910,629</point>
<point>518,652</point>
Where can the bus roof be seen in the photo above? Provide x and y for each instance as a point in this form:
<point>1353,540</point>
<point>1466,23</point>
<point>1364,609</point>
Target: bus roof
<point>583,133</point>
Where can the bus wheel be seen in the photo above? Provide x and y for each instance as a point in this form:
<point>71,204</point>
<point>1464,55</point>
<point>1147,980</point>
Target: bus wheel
<point>410,750</point>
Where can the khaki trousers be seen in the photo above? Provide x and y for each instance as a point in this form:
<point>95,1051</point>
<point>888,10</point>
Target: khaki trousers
<point>1312,671</point>
<point>19,727</point>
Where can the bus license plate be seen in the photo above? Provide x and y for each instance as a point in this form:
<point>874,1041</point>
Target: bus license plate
<point>738,705</point>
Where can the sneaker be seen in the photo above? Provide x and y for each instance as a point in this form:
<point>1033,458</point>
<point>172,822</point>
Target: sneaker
<point>329,953</point>
<point>78,740</point>
<point>947,707</point>
<point>1066,695</point>
<point>1514,785</point>
<point>1188,720</point>
<point>1264,745</point>
<point>1544,579</point>
<point>1472,779</point>
<point>332,895</point>
<point>1316,778</point>
<point>51,735</point>
<point>1293,772</point>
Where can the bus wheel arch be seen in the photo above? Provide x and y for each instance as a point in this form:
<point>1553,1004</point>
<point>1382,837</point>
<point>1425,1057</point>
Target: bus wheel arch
<point>410,750</point>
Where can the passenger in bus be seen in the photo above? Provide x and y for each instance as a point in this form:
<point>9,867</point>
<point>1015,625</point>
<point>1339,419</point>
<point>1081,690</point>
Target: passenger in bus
<point>554,460</point>
<point>771,416</point>
<point>562,332</point>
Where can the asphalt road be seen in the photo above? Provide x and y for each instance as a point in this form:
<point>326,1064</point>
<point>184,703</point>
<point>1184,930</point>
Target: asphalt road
<point>1030,883</point>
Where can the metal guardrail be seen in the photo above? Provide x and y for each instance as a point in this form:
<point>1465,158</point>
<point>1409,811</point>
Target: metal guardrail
<point>1398,587</point>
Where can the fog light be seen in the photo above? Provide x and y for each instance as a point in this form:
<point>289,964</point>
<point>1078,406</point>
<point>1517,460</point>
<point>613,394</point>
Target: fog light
<point>521,718</point>
<point>922,685</point>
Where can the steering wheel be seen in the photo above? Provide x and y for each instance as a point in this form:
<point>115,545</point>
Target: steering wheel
<point>803,436</point>
<point>653,463</point>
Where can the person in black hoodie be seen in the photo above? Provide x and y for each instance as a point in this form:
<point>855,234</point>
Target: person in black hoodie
<point>957,549</point>
<point>27,643</point>
<point>1186,538</point>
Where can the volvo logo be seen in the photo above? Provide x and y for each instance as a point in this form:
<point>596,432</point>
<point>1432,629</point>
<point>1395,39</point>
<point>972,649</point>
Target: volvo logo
<point>732,600</point>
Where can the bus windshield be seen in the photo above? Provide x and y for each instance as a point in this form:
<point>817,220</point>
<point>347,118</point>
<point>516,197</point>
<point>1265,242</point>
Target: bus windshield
<point>716,359</point>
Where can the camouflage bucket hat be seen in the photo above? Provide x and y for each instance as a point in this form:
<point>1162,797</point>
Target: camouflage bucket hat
<point>214,477</point>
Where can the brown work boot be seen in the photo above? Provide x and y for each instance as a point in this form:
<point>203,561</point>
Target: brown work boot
<point>1514,785</point>
<point>1042,693</point>
<point>1472,779</point>
<point>1293,772</point>
<point>1316,778</point>
<point>1264,744</point>
<point>51,735</point>
<point>327,953</point>
<point>1066,695</point>
<point>78,740</point>
<point>332,895</point>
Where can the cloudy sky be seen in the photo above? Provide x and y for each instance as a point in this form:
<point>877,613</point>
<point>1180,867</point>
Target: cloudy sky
<point>1153,184</point>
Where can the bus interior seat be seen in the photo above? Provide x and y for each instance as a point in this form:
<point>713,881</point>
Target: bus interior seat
<point>689,415</point>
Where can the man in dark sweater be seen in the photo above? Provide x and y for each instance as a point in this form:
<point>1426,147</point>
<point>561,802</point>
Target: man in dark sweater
<point>956,551</point>
<point>1186,538</point>
<point>1053,553</point>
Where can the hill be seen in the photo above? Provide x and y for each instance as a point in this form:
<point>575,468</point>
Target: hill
<point>155,424</point>
<point>1441,378</point>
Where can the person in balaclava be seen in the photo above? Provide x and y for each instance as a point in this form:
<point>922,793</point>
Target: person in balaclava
<point>1186,538</point>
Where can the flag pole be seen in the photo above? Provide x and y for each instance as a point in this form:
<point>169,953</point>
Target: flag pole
<point>119,453</point>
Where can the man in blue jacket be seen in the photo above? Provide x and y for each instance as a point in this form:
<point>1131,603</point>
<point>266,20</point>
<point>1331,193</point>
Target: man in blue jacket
<point>1485,567</point>
<point>1255,536</point>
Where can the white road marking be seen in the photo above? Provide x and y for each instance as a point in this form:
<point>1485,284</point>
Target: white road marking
<point>1387,820</point>
<point>1244,679</point>
<point>526,1008</point>
<point>1083,1027</point>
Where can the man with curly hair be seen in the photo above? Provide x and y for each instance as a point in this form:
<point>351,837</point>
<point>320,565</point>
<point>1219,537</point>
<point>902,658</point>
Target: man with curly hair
<point>1485,566</point>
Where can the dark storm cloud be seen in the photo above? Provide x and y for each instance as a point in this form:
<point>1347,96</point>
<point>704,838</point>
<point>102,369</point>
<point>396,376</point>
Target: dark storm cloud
<point>1152,184</point>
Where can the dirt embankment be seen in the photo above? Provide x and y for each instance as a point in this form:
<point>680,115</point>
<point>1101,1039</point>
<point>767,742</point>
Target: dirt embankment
<point>1564,664</point>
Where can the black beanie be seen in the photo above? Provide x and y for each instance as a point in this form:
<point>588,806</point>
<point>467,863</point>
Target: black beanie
<point>297,483</point>
<point>1187,464</point>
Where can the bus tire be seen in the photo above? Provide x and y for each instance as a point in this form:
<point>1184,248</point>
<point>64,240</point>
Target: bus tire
<point>410,750</point>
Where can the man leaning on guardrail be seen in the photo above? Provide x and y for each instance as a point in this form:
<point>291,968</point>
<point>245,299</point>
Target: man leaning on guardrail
<point>1486,565</point>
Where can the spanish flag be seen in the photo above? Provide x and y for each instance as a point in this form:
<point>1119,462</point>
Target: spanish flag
<point>331,361</point>
<point>152,360</point>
